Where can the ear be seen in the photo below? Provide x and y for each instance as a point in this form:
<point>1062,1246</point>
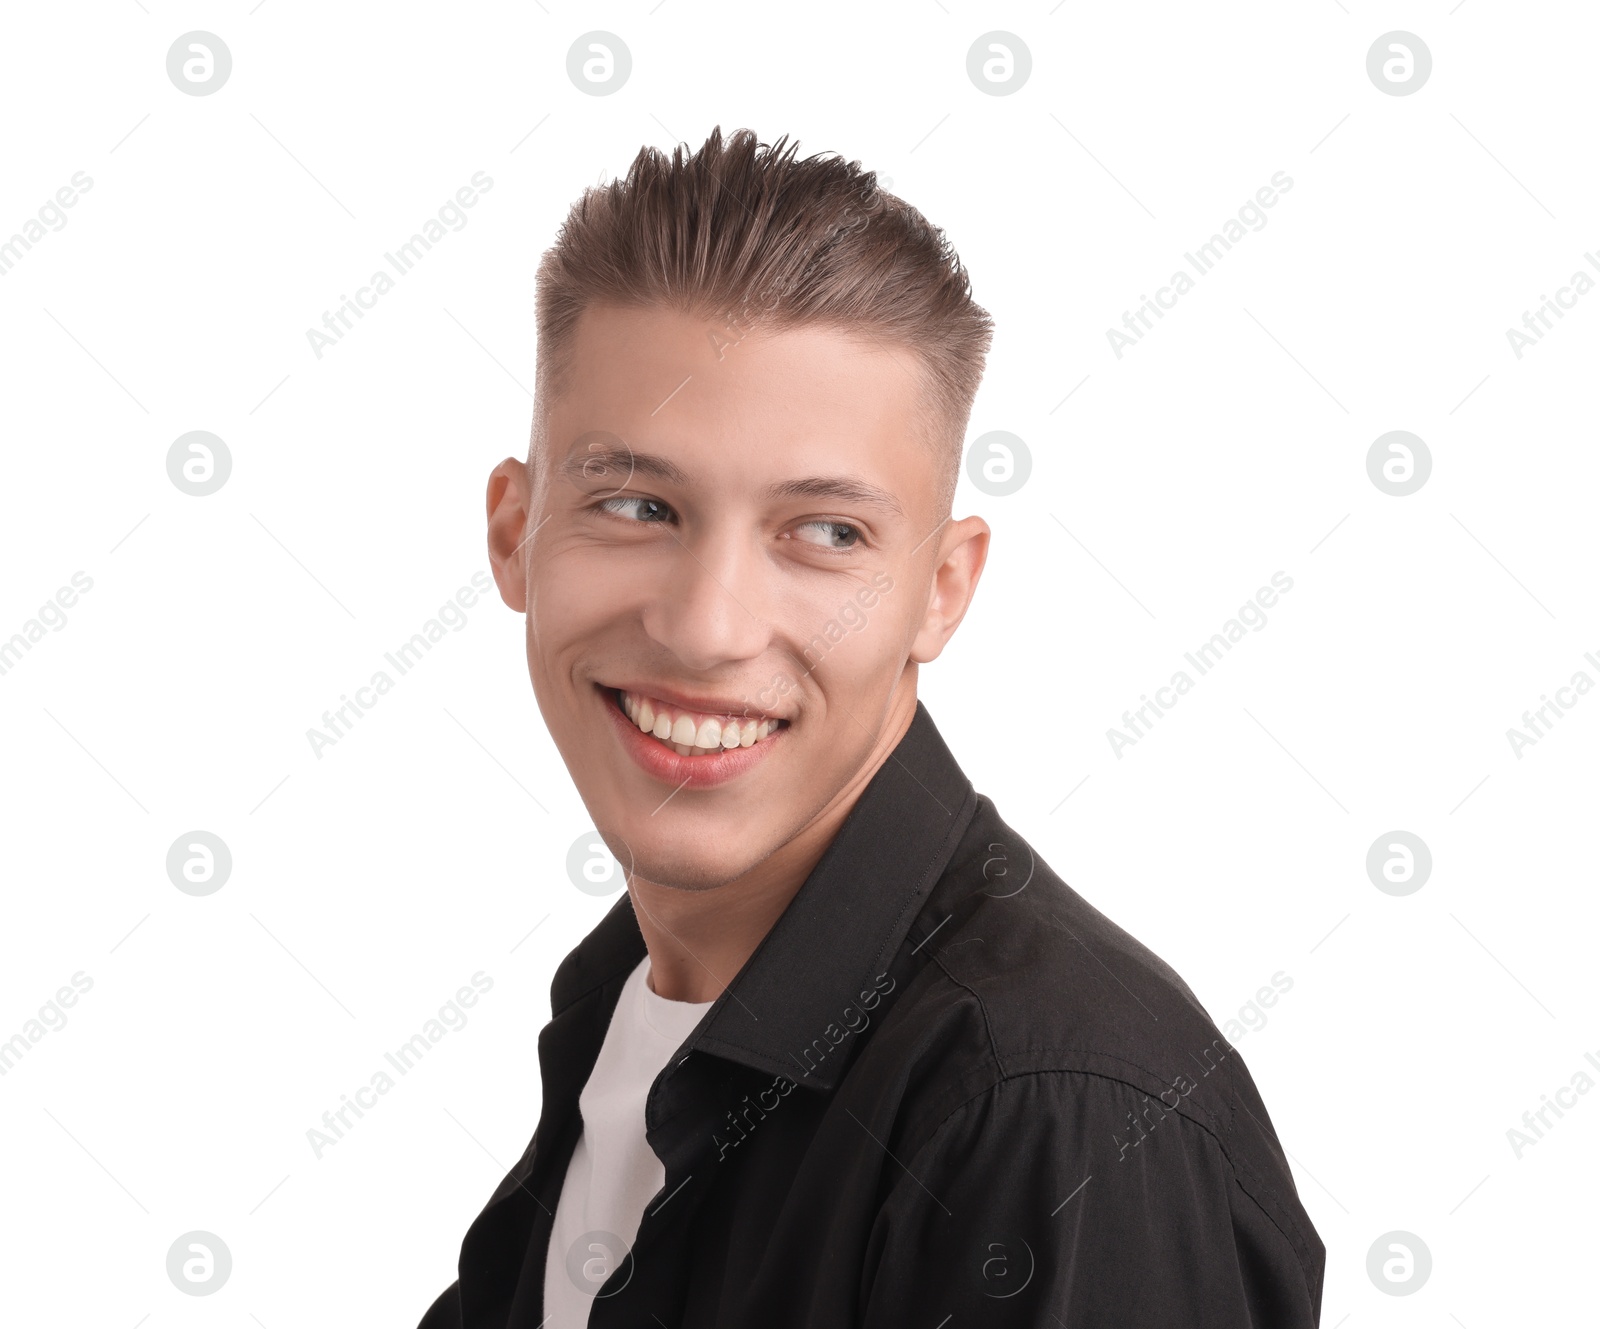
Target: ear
<point>508,501</point>
<point>962,551</point>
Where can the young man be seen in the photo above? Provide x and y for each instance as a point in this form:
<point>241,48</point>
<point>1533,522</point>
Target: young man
<point>845,1052</point>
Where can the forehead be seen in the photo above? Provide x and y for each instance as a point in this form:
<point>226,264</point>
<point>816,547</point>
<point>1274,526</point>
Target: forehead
<point>757,401</point>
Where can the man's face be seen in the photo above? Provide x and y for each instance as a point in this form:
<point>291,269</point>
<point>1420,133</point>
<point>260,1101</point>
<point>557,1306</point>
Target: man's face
<point>726,564</point>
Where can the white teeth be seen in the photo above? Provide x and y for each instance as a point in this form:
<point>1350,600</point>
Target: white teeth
<point>691,734</point>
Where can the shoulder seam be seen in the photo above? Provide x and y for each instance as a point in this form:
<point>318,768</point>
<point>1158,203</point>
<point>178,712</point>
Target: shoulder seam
<point>1238,1171</point>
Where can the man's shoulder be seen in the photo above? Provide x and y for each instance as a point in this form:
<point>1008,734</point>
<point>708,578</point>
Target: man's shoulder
<point>1018,975</point>
<point>1041,1056</point>
<point>1051,973</point>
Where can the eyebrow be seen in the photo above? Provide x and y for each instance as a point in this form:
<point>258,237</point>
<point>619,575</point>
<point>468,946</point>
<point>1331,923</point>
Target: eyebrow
<point>622,462</point>
<point>841,487</point>
<point>608,462</point>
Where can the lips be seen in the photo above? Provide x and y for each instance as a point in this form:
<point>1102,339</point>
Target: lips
<point>691,732</point>
<point>694,764</point>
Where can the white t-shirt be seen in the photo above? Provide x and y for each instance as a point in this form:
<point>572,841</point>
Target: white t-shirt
<point>614,1173</point>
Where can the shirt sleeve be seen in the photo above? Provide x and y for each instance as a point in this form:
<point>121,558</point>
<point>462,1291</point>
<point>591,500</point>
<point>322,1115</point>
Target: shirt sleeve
<point>1060,1200</point>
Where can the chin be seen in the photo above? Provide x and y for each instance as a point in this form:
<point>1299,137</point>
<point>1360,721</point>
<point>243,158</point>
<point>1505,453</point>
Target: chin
<point>688,871</point>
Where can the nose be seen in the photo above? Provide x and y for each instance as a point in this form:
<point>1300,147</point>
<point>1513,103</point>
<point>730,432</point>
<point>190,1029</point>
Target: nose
<point>710,609</point>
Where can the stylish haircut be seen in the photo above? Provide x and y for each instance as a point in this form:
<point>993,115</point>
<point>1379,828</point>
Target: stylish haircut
<point>753,236</point>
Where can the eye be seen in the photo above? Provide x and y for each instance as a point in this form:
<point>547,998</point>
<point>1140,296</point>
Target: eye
<point>830,534</point>
<point>641,510</point>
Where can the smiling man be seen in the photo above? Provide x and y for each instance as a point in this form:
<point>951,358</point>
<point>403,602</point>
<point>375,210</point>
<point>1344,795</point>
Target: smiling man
<point>845,1052</point>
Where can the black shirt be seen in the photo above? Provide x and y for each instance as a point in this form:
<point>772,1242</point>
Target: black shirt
<point>944,1092</point>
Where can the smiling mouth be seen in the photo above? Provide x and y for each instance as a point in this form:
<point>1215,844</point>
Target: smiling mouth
<point>692,733</point>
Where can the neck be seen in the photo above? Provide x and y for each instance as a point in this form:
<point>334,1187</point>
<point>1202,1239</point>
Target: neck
<point>700,939</point>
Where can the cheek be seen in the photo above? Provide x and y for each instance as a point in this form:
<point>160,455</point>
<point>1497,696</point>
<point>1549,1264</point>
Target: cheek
<point>571,598</point>
<point>572,612</point>
<point>847,650</point>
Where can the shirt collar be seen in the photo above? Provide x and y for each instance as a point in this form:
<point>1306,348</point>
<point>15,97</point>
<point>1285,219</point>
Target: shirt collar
<point>839,933</point>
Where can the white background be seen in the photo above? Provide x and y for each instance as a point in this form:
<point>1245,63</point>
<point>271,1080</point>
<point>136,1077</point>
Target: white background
<point>1167,486</point>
